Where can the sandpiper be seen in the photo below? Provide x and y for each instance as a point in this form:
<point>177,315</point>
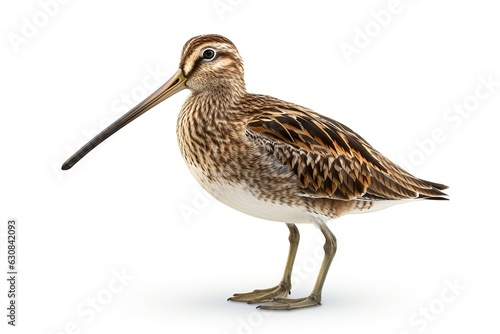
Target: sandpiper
<point>272,159</point>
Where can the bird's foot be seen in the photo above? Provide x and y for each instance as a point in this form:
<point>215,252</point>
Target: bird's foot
<point>291,304</point>
<point>265,295</point>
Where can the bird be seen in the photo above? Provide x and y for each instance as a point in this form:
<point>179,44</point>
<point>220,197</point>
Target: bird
<point>272,159</point>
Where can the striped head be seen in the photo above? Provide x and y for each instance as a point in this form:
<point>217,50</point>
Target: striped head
<point>212,62</point>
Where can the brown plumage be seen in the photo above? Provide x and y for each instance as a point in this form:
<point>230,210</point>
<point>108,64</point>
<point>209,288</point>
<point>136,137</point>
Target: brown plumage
<point>272,159</point>
<point>330,159</point>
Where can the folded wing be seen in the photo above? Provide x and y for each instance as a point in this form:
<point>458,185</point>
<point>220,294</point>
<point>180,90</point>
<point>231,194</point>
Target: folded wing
<point>331,160</point>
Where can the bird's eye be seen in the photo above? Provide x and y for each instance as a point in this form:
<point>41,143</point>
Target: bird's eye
<point>208,54</point>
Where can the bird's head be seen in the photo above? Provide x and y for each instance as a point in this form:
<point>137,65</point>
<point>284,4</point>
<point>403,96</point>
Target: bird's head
<point>212,62</point>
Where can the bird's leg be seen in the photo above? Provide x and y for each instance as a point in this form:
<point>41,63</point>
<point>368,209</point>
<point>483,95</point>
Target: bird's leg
<point>314,298</point>
<point>281,290</point>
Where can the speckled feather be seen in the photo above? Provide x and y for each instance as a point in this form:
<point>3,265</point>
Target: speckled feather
<point>330,159</point>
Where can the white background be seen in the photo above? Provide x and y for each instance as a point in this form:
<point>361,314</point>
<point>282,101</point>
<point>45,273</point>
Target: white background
<point>131,205</point>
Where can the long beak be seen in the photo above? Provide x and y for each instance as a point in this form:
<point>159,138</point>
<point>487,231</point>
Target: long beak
<point>172,86</point>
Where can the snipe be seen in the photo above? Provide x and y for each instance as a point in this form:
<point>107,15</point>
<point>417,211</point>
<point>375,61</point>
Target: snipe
<point>272,159</point>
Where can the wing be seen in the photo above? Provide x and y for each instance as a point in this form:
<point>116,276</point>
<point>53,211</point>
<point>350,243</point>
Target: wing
<point>330,159</point>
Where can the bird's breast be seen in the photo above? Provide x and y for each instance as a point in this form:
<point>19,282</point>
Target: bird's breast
<point>233,169</point>
<point>212,146</point>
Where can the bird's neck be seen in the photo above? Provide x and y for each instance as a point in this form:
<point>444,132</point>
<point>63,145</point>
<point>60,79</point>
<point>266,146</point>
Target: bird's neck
<point>218,98</point>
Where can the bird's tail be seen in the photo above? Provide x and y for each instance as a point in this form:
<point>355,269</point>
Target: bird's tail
<point>435,193</point>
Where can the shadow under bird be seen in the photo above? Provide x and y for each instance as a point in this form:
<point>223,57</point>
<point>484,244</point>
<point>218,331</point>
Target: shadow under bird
<point>272,159</point>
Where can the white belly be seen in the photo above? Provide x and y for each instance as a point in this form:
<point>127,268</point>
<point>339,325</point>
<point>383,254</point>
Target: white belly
<point>241,198</point>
